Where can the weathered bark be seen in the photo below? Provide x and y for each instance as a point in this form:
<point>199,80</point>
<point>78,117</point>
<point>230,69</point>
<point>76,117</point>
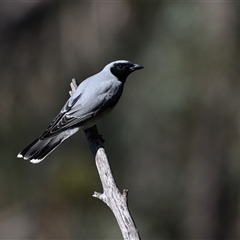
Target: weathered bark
<point>115,200</point>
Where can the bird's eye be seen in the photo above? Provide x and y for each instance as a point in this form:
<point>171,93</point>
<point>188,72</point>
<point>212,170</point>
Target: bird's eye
<point>120,66</point>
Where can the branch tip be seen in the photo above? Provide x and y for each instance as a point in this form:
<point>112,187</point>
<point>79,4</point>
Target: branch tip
<point>97,195</point>
<point>125,193</point>
<point>73,86</point>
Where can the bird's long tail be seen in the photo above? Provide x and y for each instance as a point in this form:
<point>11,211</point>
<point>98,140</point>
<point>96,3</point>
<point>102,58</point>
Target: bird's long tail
<point>40,148</point>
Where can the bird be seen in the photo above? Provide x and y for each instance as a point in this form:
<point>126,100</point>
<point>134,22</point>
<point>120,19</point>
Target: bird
<point>93,99</point>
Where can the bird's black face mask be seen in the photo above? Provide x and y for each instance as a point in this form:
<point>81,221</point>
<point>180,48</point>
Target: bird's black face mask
<point>122,69</point>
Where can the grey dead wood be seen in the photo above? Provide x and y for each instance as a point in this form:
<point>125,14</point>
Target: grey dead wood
<point>111,195</point>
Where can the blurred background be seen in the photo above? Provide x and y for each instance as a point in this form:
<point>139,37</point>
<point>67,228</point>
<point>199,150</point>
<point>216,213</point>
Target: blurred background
<point>173,140</point>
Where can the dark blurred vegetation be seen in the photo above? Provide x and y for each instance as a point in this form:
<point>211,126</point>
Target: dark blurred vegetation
<point>173,140</point>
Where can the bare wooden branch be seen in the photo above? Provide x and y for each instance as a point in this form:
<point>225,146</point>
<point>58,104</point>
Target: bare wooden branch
<point>73,86</point>
<point>111,196</point>
<point>115,200</point>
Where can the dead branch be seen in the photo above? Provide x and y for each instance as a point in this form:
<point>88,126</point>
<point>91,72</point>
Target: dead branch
<point>115,200</point>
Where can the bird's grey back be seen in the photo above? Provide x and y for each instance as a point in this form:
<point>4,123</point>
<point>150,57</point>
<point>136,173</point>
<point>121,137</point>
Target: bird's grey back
<point>98,91</point>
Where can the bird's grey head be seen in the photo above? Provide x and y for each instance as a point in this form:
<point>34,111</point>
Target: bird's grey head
<point>122,68</point>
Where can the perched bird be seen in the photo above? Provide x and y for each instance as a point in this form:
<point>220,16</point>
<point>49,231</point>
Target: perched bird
<point>93,99</point>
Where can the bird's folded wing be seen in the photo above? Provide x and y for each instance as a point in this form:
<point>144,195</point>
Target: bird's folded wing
<point>76,113</point>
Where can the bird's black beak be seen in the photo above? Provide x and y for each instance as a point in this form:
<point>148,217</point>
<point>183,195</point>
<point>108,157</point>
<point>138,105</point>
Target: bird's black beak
<point>136,67</point>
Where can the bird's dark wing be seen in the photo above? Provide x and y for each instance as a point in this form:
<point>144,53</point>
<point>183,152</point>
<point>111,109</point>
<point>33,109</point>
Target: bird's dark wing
<point>77,111</point>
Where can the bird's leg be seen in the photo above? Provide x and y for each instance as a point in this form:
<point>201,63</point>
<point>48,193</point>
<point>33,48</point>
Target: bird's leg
<point>95,140</point>
<point>101,137</point>
<point>92,133</point>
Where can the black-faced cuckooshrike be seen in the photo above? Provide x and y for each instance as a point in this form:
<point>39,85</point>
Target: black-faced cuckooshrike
<point>93,99</point>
